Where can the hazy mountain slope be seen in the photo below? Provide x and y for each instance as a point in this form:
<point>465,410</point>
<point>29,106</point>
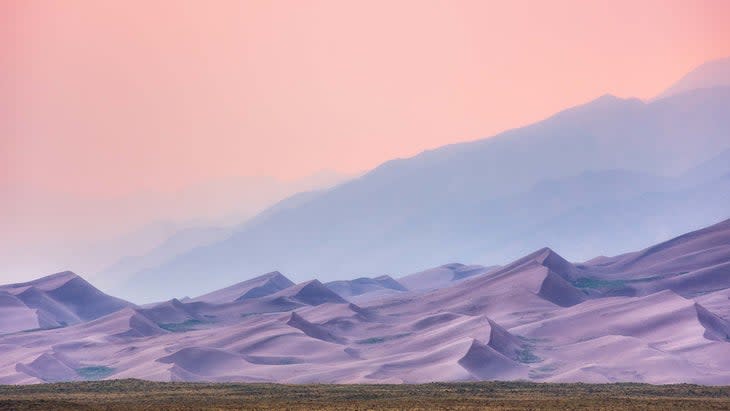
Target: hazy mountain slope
<point>717,167</point>
<point>118,276</point>
<point>623,222</point>
<point>178,243</point>
<point>54,231</point>
<point>457,204</point>
<point>711,74</point>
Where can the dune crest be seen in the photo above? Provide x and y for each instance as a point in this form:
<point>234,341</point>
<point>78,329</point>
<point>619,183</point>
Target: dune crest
<point>658,315</point>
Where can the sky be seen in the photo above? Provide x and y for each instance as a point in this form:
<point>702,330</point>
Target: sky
<point>110,98</point>
<point>102,101</point>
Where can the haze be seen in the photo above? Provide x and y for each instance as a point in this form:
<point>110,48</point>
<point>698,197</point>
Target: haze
<point>106,101</point>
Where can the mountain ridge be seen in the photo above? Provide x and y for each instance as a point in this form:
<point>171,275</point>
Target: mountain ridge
<point>439,202</point>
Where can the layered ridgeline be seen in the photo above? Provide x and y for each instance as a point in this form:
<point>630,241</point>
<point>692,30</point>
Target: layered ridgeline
<point>606,177</point>
<point>659,315</point>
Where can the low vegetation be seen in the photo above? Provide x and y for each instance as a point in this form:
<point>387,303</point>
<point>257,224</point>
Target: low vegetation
<point>598,283</point>
<point>95,372</point>
<point>378,340</point>
<point>142,395</point>
<point>186,325</point>
<point>526,356</point>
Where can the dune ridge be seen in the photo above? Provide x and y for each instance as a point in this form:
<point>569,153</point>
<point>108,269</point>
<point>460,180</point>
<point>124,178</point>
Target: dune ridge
<point>658,315</point>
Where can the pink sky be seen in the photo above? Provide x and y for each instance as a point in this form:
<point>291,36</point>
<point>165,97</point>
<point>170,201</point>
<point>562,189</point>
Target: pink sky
<point>110,98</point>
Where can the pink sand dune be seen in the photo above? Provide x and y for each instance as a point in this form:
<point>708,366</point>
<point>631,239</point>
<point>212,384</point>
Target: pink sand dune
<point>660,315</point>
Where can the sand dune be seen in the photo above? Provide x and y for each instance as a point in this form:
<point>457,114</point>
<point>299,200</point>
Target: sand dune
<point>206,361</point>
<point>56,300</point>
<point>440,277</point>
<point>256,287</point>
<point>660,315</point>
<point>486,363</point>
<point>48,368</point>
<point>312,293</point>
<point>172,311</point>
<point>312,330</point>
<point>374,287</point>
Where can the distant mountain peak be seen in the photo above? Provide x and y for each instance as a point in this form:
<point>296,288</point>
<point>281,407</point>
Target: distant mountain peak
<point>715,73</point>
<point>608,97</point>
<point>475,202</point>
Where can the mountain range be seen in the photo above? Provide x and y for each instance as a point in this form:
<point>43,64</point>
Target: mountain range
<point>111,238</point>
<point>439,267</point>
<point>658,315</point>
<point>608,176</point>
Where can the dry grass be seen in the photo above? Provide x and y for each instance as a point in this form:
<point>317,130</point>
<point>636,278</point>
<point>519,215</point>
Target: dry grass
<point>142,395</point>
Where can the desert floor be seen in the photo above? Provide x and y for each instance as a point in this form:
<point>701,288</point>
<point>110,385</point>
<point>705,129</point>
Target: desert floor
<point>135,394</point>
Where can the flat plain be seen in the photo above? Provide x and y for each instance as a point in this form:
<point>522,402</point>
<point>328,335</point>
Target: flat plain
<point>143,395</point>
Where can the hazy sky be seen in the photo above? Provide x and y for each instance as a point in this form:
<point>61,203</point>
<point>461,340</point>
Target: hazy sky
<point>109,98</point>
